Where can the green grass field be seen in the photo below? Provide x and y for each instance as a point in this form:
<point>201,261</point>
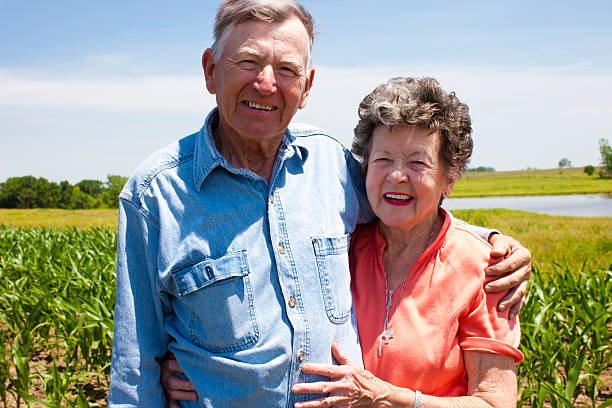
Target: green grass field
<point>552,239</point>
<point>57,218</point>
<point>530,182</point>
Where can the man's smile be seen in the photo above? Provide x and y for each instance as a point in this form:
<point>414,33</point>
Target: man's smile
<point>259,106</point>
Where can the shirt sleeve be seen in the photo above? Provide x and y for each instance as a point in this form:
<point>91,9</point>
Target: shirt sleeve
<point>486,329</point>
<point>482,232</point>
<point>139,337</point>
<point>358,180</point>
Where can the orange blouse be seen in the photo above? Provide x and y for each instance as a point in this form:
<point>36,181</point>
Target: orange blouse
<point>443,311</point>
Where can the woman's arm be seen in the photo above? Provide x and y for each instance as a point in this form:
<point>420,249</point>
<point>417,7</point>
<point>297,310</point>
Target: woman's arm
<point>491,383</point>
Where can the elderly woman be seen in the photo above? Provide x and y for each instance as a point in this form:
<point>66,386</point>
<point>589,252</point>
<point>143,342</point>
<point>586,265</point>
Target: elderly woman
<point>429,335</point>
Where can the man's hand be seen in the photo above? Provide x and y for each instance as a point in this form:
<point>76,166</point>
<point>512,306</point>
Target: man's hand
<point>516,263</point>
<point>175,387</point>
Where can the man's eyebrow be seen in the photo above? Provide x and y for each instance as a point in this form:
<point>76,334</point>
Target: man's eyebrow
<point>249,51</point>
<point>291,61</point>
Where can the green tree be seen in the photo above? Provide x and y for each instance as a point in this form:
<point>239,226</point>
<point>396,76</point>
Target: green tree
<point>80,201</point>
<point>565,162</point>
<point>75,199</point>
<point>94,188</point>
<point>29,192</point>
<point>606,158</point>
<point>47,193</point>
<point>589,170</point>
<point>114,185</point>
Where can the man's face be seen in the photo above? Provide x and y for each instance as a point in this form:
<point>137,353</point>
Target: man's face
<point>261,78</point>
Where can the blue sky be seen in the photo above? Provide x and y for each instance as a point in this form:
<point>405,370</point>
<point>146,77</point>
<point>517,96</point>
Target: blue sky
<point>90,88</point>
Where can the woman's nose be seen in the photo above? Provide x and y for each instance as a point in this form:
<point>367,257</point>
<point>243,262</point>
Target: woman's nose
<point>398,174</point>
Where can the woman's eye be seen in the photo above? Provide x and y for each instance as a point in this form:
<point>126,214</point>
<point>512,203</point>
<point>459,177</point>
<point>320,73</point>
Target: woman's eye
<point>418,164</point>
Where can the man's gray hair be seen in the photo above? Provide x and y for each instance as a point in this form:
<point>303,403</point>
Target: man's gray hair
<point>232,12</point>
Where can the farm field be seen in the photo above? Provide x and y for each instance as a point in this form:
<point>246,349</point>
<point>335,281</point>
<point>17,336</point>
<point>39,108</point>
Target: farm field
<point>530,182</point>
<point>58,218</point>
<point>57,296</point>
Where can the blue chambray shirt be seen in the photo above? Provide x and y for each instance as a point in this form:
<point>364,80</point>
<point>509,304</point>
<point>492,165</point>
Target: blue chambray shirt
<point>242,280</point>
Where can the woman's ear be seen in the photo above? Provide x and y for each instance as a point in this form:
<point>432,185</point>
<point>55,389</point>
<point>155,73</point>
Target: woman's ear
<point>449,188</point>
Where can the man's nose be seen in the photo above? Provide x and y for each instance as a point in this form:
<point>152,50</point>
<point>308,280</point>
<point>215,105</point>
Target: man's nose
<point>266,81</point>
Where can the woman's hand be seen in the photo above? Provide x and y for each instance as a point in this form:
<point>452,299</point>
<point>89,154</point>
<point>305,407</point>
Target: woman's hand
<point>175,388</point>
<point>516,268</point>
<point>349,385</point>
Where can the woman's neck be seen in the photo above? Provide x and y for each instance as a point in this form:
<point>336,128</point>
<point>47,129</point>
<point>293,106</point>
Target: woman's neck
<point>404,247</point>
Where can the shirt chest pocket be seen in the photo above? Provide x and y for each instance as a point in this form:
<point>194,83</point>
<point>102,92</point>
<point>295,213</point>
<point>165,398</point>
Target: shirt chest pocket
<point>215,303</point>
<point>332,262</point>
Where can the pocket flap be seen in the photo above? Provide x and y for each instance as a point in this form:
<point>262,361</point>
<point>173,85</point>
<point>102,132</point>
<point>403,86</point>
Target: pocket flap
<point>331,245</point>
<point>209,271</point>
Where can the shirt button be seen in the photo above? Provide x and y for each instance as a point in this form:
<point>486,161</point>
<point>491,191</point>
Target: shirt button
<point>292,302</point>
<point>281,249</point>
<point>301,356</point>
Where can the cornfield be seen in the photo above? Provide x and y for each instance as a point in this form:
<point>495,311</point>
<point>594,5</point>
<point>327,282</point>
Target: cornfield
<point>56,310</point>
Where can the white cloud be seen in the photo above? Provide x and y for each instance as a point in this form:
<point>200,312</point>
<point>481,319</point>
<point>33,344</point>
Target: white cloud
<point>153,94</point>
<point>531,116</point>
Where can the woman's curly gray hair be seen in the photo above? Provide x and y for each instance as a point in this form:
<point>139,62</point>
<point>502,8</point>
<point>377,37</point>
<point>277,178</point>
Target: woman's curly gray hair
<point>417,102</point>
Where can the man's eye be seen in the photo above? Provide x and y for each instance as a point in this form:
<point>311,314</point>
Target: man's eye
<point>247,64</point>
<point>287,71</point>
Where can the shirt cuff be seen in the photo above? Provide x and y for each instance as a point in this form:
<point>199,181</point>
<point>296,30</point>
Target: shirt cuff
<point>488,345</point>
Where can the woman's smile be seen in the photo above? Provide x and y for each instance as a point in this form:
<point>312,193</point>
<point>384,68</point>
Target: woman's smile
<point>399,199</point>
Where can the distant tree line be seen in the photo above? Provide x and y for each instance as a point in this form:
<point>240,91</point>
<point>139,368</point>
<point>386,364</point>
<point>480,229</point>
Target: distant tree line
<point>32,192</point>
<point>481,168</point>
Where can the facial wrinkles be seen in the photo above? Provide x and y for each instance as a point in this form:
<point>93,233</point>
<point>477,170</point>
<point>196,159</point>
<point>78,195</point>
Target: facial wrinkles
<point>220,45</point>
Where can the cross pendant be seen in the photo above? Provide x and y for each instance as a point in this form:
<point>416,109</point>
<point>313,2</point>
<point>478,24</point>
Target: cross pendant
<point>387,335</point>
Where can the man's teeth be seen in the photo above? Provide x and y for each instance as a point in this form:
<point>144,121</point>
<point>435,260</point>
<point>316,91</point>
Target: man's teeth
<point>259,106</point>
<point>401,197</point>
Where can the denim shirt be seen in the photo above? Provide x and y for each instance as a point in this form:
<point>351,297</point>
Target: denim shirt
<point>242,280</point>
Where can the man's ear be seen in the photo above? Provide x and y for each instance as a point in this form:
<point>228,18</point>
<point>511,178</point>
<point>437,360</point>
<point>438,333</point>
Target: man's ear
<point>208,65</point>
<point>309,81</point>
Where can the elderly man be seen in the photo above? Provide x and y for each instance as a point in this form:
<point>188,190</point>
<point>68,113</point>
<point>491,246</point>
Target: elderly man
<point>232,247</point>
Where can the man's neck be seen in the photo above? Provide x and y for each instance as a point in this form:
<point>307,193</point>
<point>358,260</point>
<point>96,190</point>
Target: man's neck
<point>240,153</point>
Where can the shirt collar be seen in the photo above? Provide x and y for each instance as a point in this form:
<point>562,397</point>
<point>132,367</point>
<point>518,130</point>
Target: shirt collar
<point>207,157</point>
<point>434,246</point>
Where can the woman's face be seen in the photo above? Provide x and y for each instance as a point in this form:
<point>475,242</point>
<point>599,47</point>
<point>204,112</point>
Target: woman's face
<point>405,176</point>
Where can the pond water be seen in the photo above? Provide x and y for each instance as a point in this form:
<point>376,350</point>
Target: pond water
<point>581,205</point>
